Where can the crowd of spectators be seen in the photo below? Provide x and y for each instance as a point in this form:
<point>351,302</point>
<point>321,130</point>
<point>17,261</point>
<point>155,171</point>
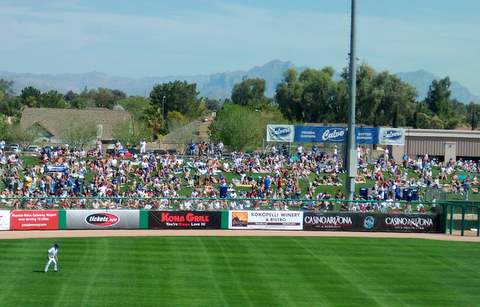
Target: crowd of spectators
<point>309,179</point>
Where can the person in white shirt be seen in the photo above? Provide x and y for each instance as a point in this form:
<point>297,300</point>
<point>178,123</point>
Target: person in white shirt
<point>52,258</point>
<point>143,147</point>
<point>99,146</point>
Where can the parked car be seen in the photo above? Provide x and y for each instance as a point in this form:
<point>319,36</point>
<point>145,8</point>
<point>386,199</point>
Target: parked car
<point>13,148</point>
<point>32,149</point>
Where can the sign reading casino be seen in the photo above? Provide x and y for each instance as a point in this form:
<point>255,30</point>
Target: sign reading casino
<point>372,222</point>
<point>328,221</point>
<point>412,223</point>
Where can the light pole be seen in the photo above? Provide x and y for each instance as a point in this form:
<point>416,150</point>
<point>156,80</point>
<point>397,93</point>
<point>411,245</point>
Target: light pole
<point>351,148</point>
<point>163,109</point>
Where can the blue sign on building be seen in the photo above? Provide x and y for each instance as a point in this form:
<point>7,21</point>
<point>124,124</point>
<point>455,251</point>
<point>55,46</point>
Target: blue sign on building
<point>391,136</point>
<point>280,133</point>
<point>320,134</point>
<point>330,134</point>
<point>364,136</point>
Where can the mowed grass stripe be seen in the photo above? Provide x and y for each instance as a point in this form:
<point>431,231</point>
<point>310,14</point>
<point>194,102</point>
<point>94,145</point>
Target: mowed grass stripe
<point>240,271</point>
<point>402,271</point>
<point>293,273</point>
<point>357,278</point>
<point>224,261</point>
<point>343,290</point>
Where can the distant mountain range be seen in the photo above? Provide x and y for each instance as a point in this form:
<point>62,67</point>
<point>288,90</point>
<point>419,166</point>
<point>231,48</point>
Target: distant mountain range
<point>421,80</point>
<point>217,85</point>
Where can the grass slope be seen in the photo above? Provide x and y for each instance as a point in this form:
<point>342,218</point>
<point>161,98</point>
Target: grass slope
<point>241,271</point>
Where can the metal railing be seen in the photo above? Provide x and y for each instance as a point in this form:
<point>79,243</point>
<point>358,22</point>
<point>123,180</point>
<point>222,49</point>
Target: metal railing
<point>215,204</point>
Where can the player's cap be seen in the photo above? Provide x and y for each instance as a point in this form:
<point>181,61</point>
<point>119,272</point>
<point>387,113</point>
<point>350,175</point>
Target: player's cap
<point>56,245</point>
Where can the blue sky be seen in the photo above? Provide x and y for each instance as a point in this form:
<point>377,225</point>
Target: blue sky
<point>184,37</point>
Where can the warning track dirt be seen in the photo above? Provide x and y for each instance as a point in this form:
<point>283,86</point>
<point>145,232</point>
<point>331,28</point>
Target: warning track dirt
<point>226,233</point>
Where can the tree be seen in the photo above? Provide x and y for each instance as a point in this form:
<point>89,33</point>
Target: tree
<point>395,101</point>
<point>289,96</point>
<point>310,97</point>
<point>70,95</point>
<point>6,87</point>
<point>383,99</point>
<point>30,96</point>
<point>250,92</point>
<point>314,96</point>
<point>104,98</point>
<point>436,123</point>
<point>118,94</point>
<point>24,137</point>
<point>212,104</point>
<point>51,99</point>
<point>4,128</point>
<point>473,117</point>
<point>422,121</point>
<point>131,132</point>
<point>136,106</point>
<point>154,118</point>
<point>238,127</point>
<point>11,106</point>
<point>369,94</point>
<point>438,97</point>
<point>80,102</point>
<point>176,96</point>
<point>176,117</point>
<point>319,95</point>
<point>78,134</point>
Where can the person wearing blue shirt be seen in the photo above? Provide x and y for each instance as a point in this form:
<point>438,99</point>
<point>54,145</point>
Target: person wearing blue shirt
<point>223,190</point>
<point>267,182</point>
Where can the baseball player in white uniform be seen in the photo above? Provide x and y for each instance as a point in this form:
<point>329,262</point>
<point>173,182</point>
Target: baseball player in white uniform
<point>52,258</point>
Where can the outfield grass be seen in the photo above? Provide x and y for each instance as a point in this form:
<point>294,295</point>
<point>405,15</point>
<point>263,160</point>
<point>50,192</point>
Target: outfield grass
<point>241,271</point>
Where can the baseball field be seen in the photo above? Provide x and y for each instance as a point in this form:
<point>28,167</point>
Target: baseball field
<point>241,271</point>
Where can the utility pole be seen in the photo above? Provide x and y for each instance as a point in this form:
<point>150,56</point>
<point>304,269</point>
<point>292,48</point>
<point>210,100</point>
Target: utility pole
<point>163,109</point>
<point>351,147</point>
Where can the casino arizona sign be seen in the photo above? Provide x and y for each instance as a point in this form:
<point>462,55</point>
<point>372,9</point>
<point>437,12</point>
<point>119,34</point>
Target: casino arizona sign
<point>328,220</point>
<point>417,222</point>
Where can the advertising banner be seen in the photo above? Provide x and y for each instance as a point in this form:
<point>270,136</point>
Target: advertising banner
<point>275,220</point>
<point>320,134</point>
<point>4,220</point>
<point>184,220</point>
<point>102,219</point>
<point>34,220</point>
<point>280,133</point>
<point>55,169</point>
<point>372,222</point>
<point>331,221</point>
<point>391,136</point>
<point>411,223</point>
<point>366,136</point>
<point>329,134</point>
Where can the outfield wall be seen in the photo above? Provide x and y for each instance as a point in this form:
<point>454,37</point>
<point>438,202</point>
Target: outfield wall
<point>371,222</point>
<point>234,219</point>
